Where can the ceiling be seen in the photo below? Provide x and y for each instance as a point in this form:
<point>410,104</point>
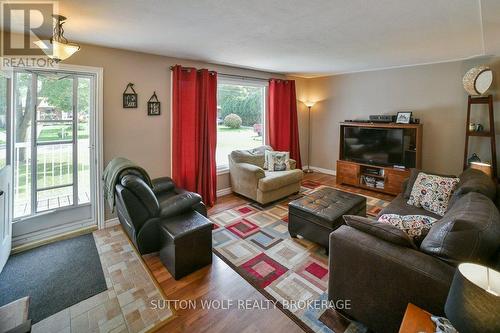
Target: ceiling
<point>307,37</point>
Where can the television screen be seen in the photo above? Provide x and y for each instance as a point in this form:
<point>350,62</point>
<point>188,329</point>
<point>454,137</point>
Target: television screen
<point>378,146</point>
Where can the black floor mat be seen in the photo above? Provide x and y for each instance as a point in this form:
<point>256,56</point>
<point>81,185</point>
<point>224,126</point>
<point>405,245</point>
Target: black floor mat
<point>55,276</point>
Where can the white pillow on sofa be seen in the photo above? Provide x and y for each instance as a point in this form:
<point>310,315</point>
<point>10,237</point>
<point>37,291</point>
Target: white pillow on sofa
<point>415,226</point>
<point>432,192</point>
<point>277,160</point>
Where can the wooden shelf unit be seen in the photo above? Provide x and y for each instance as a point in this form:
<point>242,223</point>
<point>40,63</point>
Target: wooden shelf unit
<point>485,100</point>
<point>353,173</point>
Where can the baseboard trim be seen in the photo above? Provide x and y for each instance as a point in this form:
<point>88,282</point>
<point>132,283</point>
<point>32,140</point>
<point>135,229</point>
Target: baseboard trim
<point>322,170</point>
<point>62,236</point>
<point>224,191</point>
<point>111,222</point>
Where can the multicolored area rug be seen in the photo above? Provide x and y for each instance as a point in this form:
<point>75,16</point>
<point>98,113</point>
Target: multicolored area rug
<point>293,273</point>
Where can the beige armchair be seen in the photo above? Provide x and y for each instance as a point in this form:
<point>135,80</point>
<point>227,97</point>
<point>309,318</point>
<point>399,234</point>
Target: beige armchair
<point>250,179</point>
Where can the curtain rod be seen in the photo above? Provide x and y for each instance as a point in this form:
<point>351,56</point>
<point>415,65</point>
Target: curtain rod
<point>244,77</point>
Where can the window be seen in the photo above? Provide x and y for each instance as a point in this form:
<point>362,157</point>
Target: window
<point>241,106</point>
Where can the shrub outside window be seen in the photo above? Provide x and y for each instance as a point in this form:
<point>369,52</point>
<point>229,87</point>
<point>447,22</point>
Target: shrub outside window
<point>241,107</point>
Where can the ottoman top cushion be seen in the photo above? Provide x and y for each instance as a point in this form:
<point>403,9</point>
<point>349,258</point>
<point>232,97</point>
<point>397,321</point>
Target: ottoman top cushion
<point>328,203</point>
<point>182,225</point>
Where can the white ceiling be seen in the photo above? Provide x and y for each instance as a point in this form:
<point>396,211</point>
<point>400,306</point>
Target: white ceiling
<point>305,37</point>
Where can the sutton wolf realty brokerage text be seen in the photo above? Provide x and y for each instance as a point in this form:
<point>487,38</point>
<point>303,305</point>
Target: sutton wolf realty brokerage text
<point>250,304</point>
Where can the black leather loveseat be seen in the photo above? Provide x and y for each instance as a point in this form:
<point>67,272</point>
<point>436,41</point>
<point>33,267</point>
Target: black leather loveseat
<point>141,209</point>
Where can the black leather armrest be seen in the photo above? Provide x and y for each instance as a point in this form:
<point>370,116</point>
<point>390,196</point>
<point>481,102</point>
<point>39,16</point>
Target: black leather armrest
<point>148,237</point>
<point>163,184</point>
<point>179,204</point>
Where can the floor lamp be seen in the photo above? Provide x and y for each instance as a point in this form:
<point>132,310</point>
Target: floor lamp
<point>309,105</point>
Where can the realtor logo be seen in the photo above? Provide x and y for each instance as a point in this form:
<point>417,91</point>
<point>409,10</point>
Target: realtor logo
<point>22,24</point>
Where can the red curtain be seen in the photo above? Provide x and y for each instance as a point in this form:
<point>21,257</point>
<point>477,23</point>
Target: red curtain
<point>194,131</point>
<point>282,121</point>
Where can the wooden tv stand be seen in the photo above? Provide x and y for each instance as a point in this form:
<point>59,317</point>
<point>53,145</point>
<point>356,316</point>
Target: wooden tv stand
<point>351,173</point>
<point>355,174</point>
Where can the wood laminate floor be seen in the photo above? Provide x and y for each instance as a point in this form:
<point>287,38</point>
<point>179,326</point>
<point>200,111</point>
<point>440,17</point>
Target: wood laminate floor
<point>220,282</point>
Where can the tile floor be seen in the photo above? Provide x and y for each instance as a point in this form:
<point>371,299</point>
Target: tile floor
<point>127,304</point>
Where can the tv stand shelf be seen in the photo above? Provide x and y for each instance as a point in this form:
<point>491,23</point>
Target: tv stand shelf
<point>351,173</point>
<point>385,179</point>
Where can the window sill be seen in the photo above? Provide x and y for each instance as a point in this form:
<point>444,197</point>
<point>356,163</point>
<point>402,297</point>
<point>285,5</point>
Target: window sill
<point>222,170</point>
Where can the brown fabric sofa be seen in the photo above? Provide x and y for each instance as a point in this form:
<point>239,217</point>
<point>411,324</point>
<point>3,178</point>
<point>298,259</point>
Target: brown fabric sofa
<point>381,276</point>
<point>250,179</point>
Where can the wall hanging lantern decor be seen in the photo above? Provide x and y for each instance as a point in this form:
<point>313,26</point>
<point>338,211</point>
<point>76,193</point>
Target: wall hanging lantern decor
<point>478,80</point>
<point>58,48</point>
<point>129,98</point>
<point>154,105</point>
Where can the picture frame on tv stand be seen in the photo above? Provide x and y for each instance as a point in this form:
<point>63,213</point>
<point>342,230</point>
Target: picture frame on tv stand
<point>403,117</point>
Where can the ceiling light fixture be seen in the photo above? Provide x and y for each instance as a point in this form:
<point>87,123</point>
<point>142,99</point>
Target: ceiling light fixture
<point>58,48</point>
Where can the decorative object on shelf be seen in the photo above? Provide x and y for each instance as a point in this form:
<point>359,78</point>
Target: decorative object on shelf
<point>403,118</point>
<point>484,167</point>
<point>58,48</point>
<point>476,127</point>
<point>129,98</point>
<point>473,158</point>
<point>474,299</point>
<point>309,105</point>
<point>478,80</point>
<point>154,105</point>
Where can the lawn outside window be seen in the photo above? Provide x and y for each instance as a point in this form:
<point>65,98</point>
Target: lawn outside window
<point>241,114</point>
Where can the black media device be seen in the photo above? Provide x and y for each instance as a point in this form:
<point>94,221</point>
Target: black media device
<point>383,118</point>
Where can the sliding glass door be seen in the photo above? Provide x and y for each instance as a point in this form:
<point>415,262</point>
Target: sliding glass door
<point>53,150</point>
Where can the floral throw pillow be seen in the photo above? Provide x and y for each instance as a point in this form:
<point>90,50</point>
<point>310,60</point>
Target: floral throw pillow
<point>432,192</point>
<point>277,160</point>
<point>415,226</point>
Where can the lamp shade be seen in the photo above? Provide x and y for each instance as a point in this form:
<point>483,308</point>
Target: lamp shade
<point>478,80</point>
<point>473,303</point>
<point>309,104</point>
<point>56,50</point>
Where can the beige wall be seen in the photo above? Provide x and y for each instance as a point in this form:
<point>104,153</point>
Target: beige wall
<point>433,92</point>
<point>130,132</point>
<point>302,96</point>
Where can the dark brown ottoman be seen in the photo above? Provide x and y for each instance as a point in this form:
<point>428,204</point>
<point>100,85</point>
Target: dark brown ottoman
<point>186,243</point>
<point>316,215</point>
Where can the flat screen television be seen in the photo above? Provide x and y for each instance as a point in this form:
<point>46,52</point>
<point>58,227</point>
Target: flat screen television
<point>376,146</point>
